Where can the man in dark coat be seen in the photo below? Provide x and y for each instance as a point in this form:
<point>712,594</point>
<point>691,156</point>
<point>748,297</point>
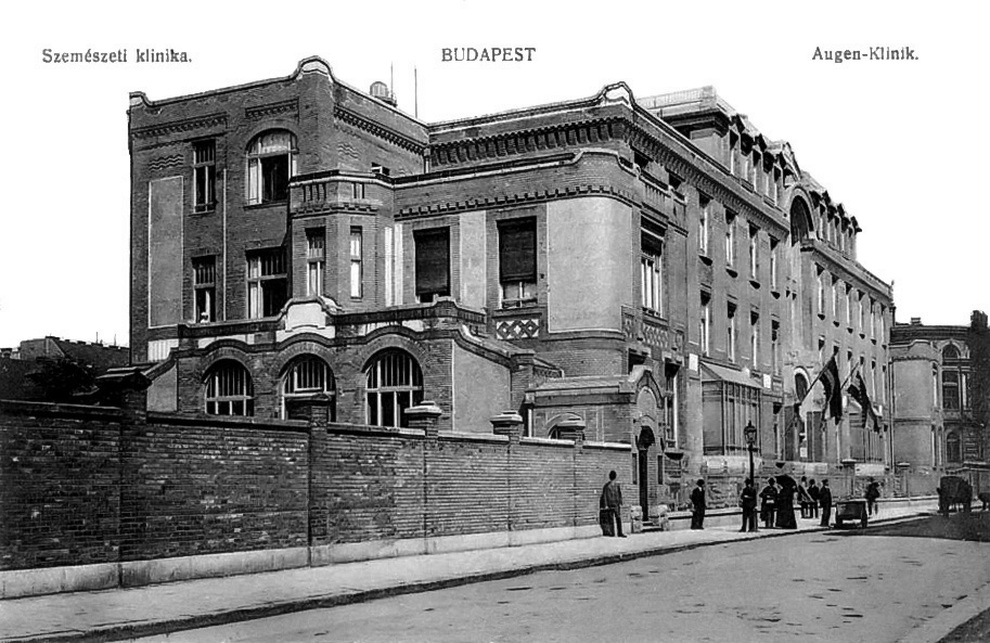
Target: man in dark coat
<point>698,506</point>
<point>872,493</point>
<point>825,500</point>
<point>785,502</point>
<point>813,491</point>
<point>768,502</point>
<point>748,502</point>
<point>612,499</point>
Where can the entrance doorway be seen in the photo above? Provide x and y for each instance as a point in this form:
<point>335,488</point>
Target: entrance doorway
<point>644,442</point>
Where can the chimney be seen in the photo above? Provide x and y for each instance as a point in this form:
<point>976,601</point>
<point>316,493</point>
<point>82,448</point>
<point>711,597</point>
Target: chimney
<point>916,321</point>
<point>382,92</point>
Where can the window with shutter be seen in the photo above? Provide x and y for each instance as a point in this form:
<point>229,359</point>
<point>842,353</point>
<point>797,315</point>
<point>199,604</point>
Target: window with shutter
<point>432,263</point>
<point>517,261</point>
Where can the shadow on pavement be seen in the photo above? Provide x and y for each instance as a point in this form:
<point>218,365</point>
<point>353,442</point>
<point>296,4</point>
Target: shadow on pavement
<point>974,527</point>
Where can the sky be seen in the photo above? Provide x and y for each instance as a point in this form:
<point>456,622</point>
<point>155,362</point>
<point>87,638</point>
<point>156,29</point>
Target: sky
<point>900,144</point>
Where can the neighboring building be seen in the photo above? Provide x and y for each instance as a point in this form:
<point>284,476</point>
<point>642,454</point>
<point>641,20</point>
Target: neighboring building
<point>655,266</point>
<point>20,367</point>
<point>940,380</point>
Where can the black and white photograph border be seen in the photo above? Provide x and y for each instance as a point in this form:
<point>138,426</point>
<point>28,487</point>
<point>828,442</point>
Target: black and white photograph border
<point>494,321</point>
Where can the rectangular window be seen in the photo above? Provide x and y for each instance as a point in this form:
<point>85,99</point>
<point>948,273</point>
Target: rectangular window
<point>205,288</point>
<point>357,190</point>
<point>517,261</point>
<point>316,255</point>
<point>950,390</point>
<point>205,175</point>
<point>730,332</point>
<point>775,193</point>
<point>849,305</point>
<point>730,238</point>
<point>775,346</point>
<point>836,286</point>
<point>733,148</point>
<point>821,291</point>
<point>651,268</point>
<point>267,282</point>
<point>754,251</point>
<point>773,263</point>
<point>357,270</point>
<point>754,339</point>
<point>703,222</point>
<point>705,323</point>
<point>432,263</point>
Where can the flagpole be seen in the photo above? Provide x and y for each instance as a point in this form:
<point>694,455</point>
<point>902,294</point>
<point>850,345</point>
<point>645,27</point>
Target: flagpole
<point>815,381</point>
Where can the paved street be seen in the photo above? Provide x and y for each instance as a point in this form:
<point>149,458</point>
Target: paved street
<point>837,586</point>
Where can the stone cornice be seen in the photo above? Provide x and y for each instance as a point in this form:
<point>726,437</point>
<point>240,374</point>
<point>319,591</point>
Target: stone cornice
<point>506,200</point>
<point>705,175</point>
<point>376,129</point>
<point>273,109</point>
<point>521,141</point>
<point>180,126</point>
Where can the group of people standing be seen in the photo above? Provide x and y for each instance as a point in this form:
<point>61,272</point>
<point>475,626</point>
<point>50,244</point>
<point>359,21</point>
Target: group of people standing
<point>777,502</point>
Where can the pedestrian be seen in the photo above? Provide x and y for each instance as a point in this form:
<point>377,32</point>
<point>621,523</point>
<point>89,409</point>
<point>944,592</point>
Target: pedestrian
<point>698,506</point>
<point>612,499</point>
<point>825,499</point>
<point>804,498</point>
<point>813,491</point>
<point>768,502</point>
<point>785,502</point>
<point>747,501</point>
<point>872,493</point>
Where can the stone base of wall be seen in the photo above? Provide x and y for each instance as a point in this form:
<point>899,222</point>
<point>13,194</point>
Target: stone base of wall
<point>51,580</point>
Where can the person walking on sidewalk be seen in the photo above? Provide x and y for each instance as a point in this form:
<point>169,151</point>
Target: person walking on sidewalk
<point>872,493</point>
<point>768,502</point>
<point>698,506</point>
<point>612,497</point>
<point>814,491</point>
<point>825,498</point>
<point>804,497</point>
<point>748,502</point>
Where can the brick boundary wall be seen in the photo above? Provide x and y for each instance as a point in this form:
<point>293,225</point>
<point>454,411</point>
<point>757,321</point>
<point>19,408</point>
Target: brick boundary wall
<point>99,497</point>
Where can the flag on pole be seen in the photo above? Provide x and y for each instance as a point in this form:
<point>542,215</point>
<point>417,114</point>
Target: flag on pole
<point>833,389</point>
<point>859,393</point>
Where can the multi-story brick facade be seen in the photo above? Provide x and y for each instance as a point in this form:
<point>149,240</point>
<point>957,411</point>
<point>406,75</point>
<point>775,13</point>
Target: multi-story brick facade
<point>655,266</point>
<point>941,378</point>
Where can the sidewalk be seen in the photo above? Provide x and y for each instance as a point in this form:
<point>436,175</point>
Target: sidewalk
<point>157,609</point>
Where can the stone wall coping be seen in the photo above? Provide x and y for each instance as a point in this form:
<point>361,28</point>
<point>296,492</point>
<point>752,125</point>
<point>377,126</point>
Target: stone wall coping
<point>50,409</point>
<point>473,437</point>
<point>202,419</point>
<point>549,442</point>
<point>614,446</point>
<point>367,429</point>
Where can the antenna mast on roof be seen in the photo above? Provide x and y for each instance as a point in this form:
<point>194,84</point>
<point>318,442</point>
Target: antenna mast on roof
<point>415,92</point>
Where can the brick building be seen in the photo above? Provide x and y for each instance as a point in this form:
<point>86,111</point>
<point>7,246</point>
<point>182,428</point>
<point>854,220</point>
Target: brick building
<point>941,378</point>
<point>655,266</point>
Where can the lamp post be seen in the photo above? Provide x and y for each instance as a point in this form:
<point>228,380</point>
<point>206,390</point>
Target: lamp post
<point>750,434</point>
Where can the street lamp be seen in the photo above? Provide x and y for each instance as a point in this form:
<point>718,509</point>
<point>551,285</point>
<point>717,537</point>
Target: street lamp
<point>750,433</point>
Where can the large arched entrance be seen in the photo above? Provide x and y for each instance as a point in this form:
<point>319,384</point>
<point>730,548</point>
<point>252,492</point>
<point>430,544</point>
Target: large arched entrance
<point>646,444</point>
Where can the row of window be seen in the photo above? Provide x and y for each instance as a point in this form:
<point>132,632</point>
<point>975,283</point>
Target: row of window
<point>844,296</point>
<point>730,245</point>
<point>874,377</point>
<point>270,162</point>
<point>748,163</point>
<point>393,383</point>
<point>732,334</point>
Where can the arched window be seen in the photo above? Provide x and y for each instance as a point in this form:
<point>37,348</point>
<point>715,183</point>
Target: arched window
<point>229,390</point>
<point>306,377</point>
<point>950,390</point>
<point>950,352</point>
<point>953,448</point>
<point>271,162</point>
<point>395,382</point>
